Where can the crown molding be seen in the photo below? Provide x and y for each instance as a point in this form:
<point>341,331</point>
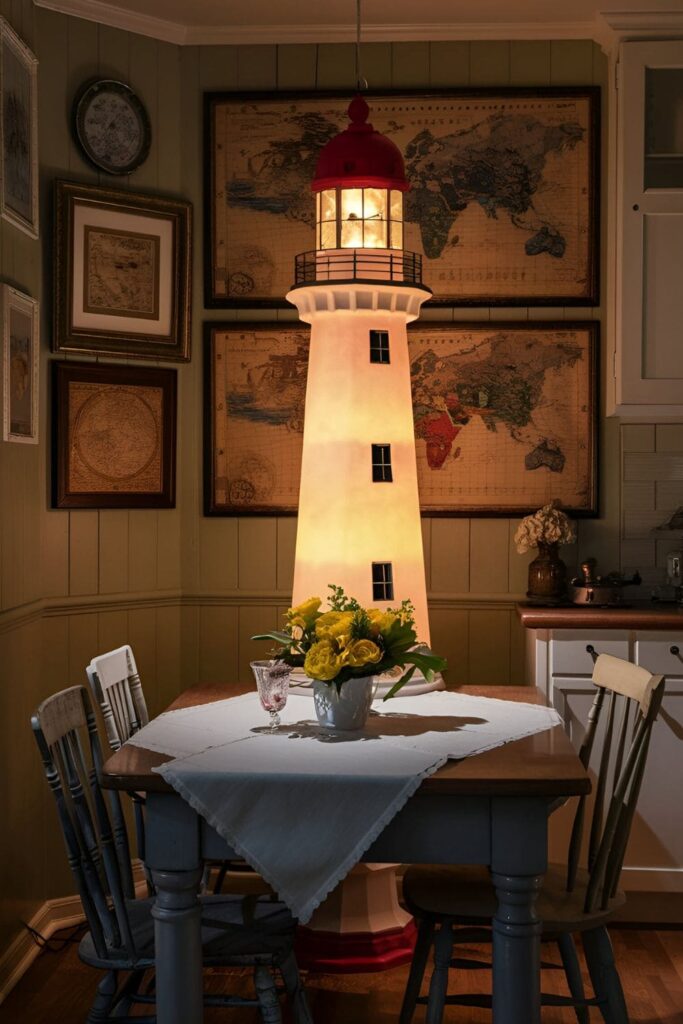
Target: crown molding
<point>211,35</point>
<point>615,27</point>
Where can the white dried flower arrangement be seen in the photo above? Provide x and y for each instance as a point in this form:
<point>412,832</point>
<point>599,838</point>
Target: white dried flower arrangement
<point>547,526</point>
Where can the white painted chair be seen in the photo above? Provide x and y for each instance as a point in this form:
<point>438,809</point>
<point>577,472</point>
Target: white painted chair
<point>453,905</point>
<point>116,686</point>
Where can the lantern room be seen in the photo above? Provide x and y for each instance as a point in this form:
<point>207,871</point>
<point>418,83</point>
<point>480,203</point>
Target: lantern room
<point>359,185</point>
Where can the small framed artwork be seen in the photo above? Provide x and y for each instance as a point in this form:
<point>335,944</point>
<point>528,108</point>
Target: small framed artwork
<point>505,417</point>
<point>20,360</point>
<point>113,436</point>
<point>122,283</point>
<point>502,208</point>
<point>18,132</point>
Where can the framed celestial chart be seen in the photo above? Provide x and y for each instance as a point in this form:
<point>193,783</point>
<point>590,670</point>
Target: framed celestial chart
<point>122,273</point>
<point>503,202</point>
<point>18,132</point>
<point>505,417</point>
<point>20,361</point>
<point>113,436</point>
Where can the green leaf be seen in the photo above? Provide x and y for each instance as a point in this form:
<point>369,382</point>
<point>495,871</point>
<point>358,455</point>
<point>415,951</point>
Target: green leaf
<point>280,638</point>
<point>405,678</point>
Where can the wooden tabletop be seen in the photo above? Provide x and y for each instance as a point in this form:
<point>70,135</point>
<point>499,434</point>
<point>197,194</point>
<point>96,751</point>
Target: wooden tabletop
<point>638,615</point>
<point>542,765</point>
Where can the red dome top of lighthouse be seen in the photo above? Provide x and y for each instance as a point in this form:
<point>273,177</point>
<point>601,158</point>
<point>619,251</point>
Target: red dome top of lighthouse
<point>360,157</point>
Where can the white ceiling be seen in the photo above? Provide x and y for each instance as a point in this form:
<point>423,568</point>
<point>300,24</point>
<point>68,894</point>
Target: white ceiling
<point>286,21</point>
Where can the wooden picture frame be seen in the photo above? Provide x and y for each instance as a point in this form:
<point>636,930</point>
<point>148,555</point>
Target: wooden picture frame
<point>113,436</point>
<point>506,416</point>
<point>20,366</point>
<point>520,230</point>
<point>18,132</point>
<point>122,282</point>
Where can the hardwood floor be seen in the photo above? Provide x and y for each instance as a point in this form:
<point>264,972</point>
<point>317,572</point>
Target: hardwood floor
<point>58,988</point>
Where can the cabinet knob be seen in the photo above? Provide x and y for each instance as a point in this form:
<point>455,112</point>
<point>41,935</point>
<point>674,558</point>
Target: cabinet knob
<point>675,650</point>
<point>591,650</point>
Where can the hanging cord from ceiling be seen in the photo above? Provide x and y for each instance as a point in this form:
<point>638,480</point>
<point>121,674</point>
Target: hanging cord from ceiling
<point>361,82</point>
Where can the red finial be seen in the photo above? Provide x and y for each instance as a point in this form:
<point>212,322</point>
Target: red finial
<point>358,112</point>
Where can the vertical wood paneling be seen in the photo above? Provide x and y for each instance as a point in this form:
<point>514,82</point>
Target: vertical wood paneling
<point>141,634</point>
<point>489,556</point>
<point>142,549</point>
<point>168,549</point>
<point>169,650</point>
<point>256,67</point>
<point>84,541</point>
<point>143,56</point>
<point>571,61</point>
<point>257,554</point>
<point>450,637</point>
<point>336,66</point>
<point>490,63</point>
<point>518,565</point>
<point>218,644</point>
<point>489,647</point>
<point>286,543</point>
<point>529,62</point>
<point>113,551</point>
<point>375,65</point>
<point>296,65</point>
<point>252,621</point>
<point>410,64</point>
<point>450,556</point>
<point>54,557</point>
<point>112,630</point>
<point>218,554</point>
<point>449,64</point>
<point>84,644</point>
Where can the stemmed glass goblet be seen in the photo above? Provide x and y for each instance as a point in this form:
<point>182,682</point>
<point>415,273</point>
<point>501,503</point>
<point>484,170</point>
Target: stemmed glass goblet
<point>272,683</point>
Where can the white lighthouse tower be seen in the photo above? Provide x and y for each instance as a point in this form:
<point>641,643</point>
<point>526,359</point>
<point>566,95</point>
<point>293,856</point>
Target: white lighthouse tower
<point>359,513</point>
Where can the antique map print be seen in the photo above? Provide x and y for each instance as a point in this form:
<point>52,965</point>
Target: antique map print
<point>114,438</point>
<point>501,199</point>
<point>21,398</point>
<point>504,417</point>
<point>121,273</point>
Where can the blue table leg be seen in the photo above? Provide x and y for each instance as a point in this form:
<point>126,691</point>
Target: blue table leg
<point>518,861</point>
<point>178,946</point>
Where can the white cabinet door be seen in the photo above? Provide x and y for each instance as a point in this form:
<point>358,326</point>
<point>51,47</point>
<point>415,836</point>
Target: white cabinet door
<point>569,654</point>
<point>649,315</point>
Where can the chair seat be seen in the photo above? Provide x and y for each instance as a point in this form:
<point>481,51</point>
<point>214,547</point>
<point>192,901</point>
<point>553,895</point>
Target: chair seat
<point>466,893</point>
<point>267,933</point>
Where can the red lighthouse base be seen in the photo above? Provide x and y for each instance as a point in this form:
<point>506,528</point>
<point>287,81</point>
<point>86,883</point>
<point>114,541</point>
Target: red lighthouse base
<point>360,926</point>
<point>354,952</point>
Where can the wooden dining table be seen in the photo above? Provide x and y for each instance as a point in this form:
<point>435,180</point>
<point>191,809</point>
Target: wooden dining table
<point>491,809</point>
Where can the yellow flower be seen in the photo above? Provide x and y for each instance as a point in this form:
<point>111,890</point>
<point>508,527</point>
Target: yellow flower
<point>322,661</point>
<point>362,652</point>
<point>333,625</point>
<point>380,622</point>
<point>304,614</point>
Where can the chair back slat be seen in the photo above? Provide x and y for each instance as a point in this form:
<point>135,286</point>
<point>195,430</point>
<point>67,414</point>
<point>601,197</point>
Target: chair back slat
<point>585,752</point>
<point>116,686</point>
<point>57,726</point>
<point>632,691</point>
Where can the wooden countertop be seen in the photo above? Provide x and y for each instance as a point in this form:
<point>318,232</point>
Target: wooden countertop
<point>544,764</point>
<point>637,615</point>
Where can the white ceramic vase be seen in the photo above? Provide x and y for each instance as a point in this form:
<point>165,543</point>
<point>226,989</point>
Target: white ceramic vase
<point>347,709</point>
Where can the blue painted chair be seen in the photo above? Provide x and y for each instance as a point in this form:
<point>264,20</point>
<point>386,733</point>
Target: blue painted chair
<point>454,905</point>
<point>247,932</point>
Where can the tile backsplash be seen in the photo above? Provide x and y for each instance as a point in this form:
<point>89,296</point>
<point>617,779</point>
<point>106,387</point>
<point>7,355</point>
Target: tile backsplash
<point>652,490</point>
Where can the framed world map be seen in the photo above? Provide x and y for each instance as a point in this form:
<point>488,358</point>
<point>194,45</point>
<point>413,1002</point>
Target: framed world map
<point>503,199</point>
<point>505,417</point>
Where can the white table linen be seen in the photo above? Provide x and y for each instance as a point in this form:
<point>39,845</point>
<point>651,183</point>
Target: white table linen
<point>303,805</point>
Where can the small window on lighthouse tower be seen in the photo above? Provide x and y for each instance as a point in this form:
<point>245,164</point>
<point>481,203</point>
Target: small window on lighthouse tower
<point>381,464</point>
<point>379,347</point>
<point>382,581</point>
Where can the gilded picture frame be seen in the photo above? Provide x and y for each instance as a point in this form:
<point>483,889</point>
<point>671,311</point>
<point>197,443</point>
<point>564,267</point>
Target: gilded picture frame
<point>503,204</point>
<point>123,273</point>
<point>20,364</point>
<point>19,172</point>
<point>506,416</point>
<point>113,436</point>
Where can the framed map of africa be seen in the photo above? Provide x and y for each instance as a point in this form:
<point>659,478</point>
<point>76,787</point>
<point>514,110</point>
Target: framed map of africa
<point>503,199</point>
<point>505,417</point>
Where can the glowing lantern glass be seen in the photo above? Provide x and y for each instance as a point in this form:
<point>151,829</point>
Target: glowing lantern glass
<point>359,188</point>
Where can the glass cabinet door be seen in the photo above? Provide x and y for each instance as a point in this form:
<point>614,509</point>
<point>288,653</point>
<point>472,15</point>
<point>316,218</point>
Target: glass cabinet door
<point>663,163</point>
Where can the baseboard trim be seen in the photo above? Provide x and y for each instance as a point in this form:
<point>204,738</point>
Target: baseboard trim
<point>51,916</point>
<point>48,919</point>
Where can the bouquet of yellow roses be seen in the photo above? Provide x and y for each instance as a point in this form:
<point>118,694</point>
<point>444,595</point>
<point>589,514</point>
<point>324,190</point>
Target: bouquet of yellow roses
<point>349,641</point>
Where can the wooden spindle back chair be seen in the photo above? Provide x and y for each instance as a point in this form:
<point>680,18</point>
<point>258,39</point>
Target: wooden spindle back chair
<point>116,686</point>
<point>573,899</point>
<point>257,933</point>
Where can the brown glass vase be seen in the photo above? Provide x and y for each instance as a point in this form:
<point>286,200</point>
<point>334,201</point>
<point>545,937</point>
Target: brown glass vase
<point>547,576</point>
